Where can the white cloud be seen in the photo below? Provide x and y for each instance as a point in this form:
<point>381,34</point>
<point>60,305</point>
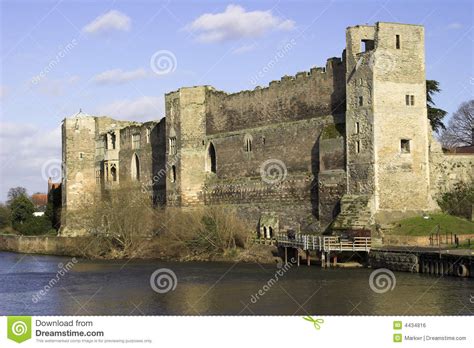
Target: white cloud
<point>235,23</point>
<point>117,76</point>
<point>110,21</point>
<point>54,88</point>
<point>24,149</point>
<point>140,109</point>
<point>454,26</point>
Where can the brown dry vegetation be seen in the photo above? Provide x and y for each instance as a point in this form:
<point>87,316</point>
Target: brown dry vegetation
<point>125,225</point>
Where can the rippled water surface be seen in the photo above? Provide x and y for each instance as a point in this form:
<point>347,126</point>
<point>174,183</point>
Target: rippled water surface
<point>123,288</point>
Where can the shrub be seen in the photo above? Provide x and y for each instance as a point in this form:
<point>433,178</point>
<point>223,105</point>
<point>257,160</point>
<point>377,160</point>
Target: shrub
<point>35,226</point>
<point>459,200</point>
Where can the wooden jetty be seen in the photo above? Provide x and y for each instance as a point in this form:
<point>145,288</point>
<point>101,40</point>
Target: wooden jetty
<point>324,246</point>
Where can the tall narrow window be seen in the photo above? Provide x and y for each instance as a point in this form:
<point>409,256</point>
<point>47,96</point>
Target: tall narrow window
<point>135,168</point>
<point>136,141</point>
<point>113,172</point>
<point>361,101</point>
<point>112,140</point>
<point>357,146</point>
<point>173,173</point>
<point>357,128</point>
<point>172,146</point>
<point>248,143</point>
<point>212,165</point>
<point>397,42</point>
<point>410,100</point>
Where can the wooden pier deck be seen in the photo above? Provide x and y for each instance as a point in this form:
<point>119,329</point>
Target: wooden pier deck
<point>324,243</point>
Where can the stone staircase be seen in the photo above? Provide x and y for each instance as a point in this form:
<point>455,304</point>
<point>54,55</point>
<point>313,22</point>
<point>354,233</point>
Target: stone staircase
<point>355,213</point>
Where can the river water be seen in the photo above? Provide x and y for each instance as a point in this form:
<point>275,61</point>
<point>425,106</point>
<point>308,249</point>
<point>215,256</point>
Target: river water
<point>123,288</point>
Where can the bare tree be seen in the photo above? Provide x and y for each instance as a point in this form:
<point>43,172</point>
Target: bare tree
<point>459,129</point>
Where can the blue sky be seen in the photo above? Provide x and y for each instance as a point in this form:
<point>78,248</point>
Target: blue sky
<point>59,56</point>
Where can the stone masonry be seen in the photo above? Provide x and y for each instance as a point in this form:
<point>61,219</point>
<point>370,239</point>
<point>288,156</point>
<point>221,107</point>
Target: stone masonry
<point>347,145</point>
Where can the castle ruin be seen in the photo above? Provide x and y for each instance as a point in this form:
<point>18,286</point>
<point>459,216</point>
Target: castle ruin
<point>348,145</point>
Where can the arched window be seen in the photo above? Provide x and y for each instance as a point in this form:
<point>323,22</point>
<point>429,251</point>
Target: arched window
<point>248,143</point>
<point>264,232</point>
<point>113,172</point>
<point>173,173</point>
<point>211,165</point>
<point>270,232</point>
<point>135,167</point>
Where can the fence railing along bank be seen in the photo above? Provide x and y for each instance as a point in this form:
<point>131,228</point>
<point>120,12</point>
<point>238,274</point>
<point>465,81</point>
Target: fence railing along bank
<point>318,243</point>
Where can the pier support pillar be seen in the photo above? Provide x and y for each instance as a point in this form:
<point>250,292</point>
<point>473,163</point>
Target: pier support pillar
<point>308,259</point>
<point>286,255</point>
<point>334,261</point>
<point>323,260</point>
<point>328,259</point>
<point>297,257</point>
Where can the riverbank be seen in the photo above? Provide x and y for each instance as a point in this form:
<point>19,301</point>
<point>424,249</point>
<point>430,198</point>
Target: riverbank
<point>145,248</point>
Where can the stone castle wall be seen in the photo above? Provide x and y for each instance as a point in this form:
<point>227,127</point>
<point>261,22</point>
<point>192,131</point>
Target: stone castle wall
<point>284,155</point>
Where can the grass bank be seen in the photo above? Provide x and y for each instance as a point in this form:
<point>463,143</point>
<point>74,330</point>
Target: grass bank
<point>442,223</point>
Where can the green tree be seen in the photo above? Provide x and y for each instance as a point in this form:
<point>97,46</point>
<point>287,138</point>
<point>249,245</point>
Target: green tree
<point>5,216</point>
<point>435,115</point>
<point>22,209</point>
<point>459,200</point>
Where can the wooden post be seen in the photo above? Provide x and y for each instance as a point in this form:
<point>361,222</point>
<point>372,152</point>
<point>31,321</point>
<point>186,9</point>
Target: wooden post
<point>286,255</point>
<point>328,259</point>
<point>323,261</point>
<point>297,257</point>
<point>308,260</point>
<point>334,261</point>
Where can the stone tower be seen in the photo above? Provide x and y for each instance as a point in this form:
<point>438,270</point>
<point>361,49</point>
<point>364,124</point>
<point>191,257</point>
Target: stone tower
<point>78,158</point>
<point>387,129</point>
<point>186,145</point>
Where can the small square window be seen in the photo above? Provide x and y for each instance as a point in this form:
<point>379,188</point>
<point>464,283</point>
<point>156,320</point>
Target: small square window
<point>81,155</point>
<point>405,146</point>
<point>409,100</point>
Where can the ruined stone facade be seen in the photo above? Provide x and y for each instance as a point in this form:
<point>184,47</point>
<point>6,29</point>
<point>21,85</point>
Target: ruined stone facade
<point>348,144</point>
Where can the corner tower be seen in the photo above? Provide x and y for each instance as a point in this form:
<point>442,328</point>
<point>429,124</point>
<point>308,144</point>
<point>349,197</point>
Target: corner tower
<point>387,130</point>
<point>186,146</point>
